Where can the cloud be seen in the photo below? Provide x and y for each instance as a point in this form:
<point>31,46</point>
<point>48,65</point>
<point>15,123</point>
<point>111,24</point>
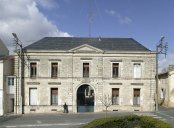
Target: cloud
<point>165,62</point>
<point>24,18</point>
<point>120,18</point>
<point>110,12</point>
<point>48,4</point>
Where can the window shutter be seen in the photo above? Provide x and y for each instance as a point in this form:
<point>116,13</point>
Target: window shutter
<point>137,71</point>
<point>33,96</point>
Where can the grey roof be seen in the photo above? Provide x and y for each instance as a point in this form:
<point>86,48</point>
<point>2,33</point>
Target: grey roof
<point>106,44</point>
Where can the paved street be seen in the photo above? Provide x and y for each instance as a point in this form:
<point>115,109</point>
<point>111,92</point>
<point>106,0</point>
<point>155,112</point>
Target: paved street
<point>75,120</point>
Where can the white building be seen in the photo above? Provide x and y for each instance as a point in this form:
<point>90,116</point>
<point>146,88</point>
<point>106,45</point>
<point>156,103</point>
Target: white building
<point>6,91</point>
<point>82,71</point>
<point>166,87</point>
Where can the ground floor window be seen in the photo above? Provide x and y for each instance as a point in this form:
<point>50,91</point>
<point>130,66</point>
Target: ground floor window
<point>136,96</point>
<point>54,96</point>
<point>33,96</point>
<point>115,96</point>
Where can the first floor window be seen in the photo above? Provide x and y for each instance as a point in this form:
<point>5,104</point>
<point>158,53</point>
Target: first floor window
<point>137,70</point>
<point>115,70</point>
<point>33,69</point>
<point>136,97</point>
<point>115,96</point>
<point>33,96</point>
<point>54,69</point>
<point>54,96</point>
<point>85,69</point>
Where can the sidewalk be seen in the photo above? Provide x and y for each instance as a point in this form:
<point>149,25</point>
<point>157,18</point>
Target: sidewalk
<point>8,117</point>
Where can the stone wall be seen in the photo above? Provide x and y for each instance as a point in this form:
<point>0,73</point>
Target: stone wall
<point>70,78</point>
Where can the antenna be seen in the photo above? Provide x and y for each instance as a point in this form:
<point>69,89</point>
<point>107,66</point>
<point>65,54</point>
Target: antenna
<point>90,17</point>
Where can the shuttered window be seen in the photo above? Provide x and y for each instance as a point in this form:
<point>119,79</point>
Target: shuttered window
<point>85,69</point>
<point>54,96</point>
<point>115,96</point>
<point>33,96</point>
<point>115,70</point>
<point>54,69</point>
<point>136,97</point>
<point>137,70</point>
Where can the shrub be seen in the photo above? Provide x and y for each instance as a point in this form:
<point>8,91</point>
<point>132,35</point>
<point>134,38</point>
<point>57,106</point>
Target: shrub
<point>131,121</point>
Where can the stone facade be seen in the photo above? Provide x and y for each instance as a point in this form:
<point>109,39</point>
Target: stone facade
<point>70,79</point>
<point>166,87</point>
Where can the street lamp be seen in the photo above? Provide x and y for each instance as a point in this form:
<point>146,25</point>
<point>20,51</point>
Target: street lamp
<point>161,48</point>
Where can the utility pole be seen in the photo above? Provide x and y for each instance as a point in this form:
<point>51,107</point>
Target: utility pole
<point>20,76</point>
<point>161,48</point>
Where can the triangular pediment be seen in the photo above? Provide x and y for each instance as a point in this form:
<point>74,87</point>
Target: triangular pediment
<point>86,48</point>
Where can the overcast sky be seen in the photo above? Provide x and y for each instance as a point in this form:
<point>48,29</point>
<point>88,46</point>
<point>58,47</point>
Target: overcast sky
<point>144,20</point>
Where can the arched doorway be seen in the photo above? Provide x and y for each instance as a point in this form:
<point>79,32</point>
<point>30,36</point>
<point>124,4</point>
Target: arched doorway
<point>85,98</point>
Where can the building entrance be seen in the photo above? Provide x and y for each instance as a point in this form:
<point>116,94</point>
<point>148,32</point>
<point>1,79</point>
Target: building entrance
<point>85,99</point>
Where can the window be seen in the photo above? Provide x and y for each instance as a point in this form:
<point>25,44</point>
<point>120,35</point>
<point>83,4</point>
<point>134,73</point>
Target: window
<point>54,69</point>
<point>136,99</point>
<point>10,81</point>
<point>54,96</point>
<point>115,96</point>
<point>85,69</point>
<point>33,96</point>
<point>33,69</point>
<point>137,70</point>
<point>162,96</point>
<point>115,70</point>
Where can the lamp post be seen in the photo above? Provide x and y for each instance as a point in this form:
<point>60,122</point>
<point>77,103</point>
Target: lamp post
<point>161,48</point>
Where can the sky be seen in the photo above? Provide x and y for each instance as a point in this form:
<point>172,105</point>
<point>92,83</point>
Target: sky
<point>144,20</point>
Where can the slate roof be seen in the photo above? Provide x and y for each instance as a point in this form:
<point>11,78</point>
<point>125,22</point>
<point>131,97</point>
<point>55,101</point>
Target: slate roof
<point>106,44</point>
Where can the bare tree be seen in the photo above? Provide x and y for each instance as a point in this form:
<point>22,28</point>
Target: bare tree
<point>107,102</point>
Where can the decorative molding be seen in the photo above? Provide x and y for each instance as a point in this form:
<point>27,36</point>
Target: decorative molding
<point>33,83</point>
<point>115,84</point>
<point>115,60</point>
<point>85,58</point>
<point>32,109</point>
<point>34,59</point>
<point>137,60</point>
<point>54,83</point>
<point>54,59</point>
<point>137,83</point>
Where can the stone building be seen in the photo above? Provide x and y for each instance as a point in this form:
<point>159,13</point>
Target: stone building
<point>84,72</point>
<point>6,80</point>
<point>166,87</point>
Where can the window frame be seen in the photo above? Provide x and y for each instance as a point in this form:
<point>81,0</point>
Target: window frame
<point>35,98</point>
<point>136,97</point>
<point>88,70</point>
<point>137,76</point>
<point>10,81</point>
<point>33,75</point>
<point>117,99</point>
<point>112,70</point>
<point>57,68</point>
<point>52,102</point>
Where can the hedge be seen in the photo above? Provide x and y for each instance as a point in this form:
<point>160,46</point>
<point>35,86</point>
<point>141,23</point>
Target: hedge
<point>131,121</point>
